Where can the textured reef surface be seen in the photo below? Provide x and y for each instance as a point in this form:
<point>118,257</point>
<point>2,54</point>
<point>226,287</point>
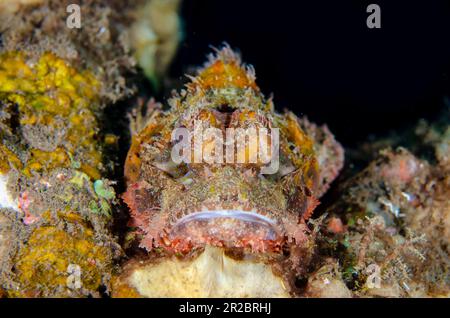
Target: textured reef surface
<point>280,215</point>
<point>56,200</point>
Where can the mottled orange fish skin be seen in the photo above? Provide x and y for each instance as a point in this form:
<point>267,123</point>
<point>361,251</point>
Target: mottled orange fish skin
<point>222,75</point>
<point>267,211</point>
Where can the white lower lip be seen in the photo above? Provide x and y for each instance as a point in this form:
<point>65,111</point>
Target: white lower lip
<point>247,216</point>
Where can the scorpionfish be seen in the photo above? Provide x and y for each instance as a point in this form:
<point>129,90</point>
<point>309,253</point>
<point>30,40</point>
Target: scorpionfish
<point>253,193</point>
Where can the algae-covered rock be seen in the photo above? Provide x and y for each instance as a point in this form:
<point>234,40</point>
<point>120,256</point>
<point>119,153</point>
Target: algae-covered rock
<point>327,282</point>
<point>56,200</point>
<point>396,215</point>
<point>209,274</point>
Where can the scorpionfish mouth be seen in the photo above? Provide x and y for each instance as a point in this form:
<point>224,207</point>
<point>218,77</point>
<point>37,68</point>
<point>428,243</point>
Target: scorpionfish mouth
<point>227,228</point>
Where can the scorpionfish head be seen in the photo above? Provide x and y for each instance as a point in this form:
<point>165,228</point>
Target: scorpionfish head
<point>220,167</point>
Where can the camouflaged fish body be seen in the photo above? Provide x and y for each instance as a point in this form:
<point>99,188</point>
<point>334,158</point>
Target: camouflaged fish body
<point>179,207</point>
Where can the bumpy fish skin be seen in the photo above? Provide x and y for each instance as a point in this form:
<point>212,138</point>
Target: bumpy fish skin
<point>180,207</point>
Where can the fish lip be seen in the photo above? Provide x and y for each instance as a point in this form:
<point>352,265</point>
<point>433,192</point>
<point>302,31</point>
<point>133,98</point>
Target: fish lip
<point>249,216</point>
<point>251,226</point>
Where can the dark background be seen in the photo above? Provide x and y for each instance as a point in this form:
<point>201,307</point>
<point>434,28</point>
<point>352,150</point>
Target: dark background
<point>320,59</point>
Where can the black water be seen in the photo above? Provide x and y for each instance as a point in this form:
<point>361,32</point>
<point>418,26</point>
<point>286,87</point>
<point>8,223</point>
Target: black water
<point>320,59</point>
